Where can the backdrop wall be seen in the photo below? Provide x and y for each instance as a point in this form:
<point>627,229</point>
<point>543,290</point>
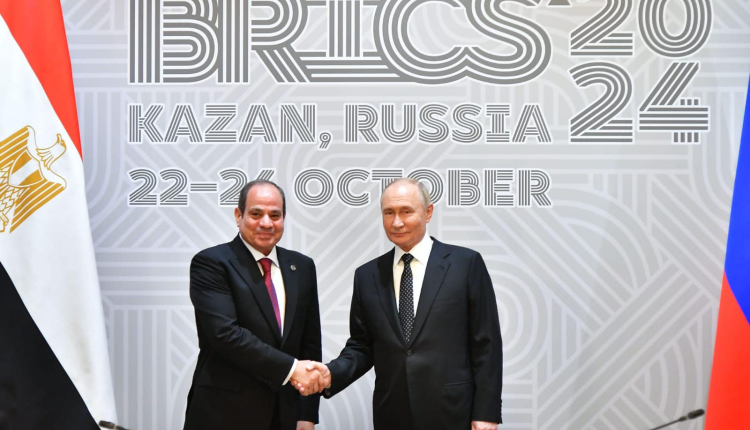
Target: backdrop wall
<point>586,149</point>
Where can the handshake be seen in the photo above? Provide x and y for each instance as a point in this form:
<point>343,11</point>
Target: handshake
<point>310,377</point>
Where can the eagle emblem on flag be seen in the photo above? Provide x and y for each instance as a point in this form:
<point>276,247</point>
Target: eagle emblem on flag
<point>26,180</point>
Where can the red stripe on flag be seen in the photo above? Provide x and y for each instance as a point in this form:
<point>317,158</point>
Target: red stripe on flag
<point>38,28</point>
<point>730,376</point>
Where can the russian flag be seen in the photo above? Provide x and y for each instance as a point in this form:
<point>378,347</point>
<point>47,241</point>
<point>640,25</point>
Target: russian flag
<point>54,362</point>
<point>729,394</point>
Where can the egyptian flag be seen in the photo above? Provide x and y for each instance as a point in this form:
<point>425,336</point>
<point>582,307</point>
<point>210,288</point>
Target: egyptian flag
<point>729,394</point>
<point>54,363</point>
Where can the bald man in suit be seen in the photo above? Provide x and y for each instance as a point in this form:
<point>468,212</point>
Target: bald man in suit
<point>424,315</point>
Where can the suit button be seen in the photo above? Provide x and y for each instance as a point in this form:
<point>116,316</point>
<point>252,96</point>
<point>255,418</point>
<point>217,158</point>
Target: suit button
<point>408,352</point>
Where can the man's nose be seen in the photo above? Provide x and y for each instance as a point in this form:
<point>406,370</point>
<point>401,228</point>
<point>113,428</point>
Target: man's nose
<point>266,222</point>
<point>397,221</point>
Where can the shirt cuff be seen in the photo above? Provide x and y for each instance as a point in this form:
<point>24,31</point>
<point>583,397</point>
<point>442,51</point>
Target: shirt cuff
<point>291,372</point>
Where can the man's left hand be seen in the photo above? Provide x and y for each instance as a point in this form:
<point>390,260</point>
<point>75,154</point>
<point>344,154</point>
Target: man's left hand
<point>305,425</point>
<point>482,425</point>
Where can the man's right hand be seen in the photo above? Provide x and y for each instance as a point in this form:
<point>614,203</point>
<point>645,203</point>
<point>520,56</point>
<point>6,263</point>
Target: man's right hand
<point>310,377</point>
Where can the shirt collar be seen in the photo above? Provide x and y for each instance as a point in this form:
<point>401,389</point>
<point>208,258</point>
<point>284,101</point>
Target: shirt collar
<point>421,251</point>
<point>257,255</point>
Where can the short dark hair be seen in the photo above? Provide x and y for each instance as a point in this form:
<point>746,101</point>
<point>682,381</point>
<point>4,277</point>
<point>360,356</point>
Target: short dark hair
<point>251,184</point>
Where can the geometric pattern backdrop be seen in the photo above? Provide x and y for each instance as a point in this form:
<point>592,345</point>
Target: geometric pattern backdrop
<point>607,298</point>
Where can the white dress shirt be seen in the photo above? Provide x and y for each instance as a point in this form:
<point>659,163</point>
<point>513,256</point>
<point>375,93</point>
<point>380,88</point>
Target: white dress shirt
<point>421,253</point>
<point>278,285</point>
<point>276,278</point>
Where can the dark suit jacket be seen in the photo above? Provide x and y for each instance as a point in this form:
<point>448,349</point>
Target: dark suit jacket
<point>243,358</point>
<point>450,373</point>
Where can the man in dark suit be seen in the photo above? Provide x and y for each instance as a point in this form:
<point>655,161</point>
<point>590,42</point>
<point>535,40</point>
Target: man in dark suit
<point>256,309</point>
<point>424,314</point>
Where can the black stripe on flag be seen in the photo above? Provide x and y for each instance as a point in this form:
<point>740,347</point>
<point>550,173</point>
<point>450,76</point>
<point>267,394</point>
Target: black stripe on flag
<point>35,391</point>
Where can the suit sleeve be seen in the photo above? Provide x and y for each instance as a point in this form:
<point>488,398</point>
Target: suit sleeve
<point>216,318</point>
<point>486,344</point>
<point>356,358</point>
<point>311,348</point>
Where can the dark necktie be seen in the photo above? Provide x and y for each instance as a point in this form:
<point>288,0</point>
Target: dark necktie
<point>406,297</point>
<point>266,263</point>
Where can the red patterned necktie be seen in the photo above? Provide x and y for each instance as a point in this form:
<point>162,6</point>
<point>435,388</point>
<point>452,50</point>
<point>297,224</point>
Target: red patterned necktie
<point>266,263</point>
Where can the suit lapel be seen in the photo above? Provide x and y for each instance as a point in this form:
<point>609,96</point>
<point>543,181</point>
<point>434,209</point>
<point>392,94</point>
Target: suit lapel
<point>384,286</point>
<point>248,269</point>
<point>437,267</point>
<point>291,288</point>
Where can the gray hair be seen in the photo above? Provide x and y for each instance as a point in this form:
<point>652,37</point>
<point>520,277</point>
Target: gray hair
<point>424,194</point>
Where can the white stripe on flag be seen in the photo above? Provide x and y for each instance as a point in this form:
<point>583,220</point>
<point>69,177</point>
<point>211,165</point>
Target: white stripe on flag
<point>50,257</point>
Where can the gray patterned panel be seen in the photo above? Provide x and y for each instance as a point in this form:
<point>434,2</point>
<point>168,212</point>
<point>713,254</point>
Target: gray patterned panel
<point>625,124</point>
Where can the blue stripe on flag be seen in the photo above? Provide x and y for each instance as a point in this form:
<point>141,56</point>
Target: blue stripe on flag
<point>737,265</point>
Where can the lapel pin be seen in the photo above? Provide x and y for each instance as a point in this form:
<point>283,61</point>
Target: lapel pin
<point>293,267</point>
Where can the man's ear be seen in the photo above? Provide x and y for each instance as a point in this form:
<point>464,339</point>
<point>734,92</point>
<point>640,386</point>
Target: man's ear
<point>429,212</point>
<point>237,215</point>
